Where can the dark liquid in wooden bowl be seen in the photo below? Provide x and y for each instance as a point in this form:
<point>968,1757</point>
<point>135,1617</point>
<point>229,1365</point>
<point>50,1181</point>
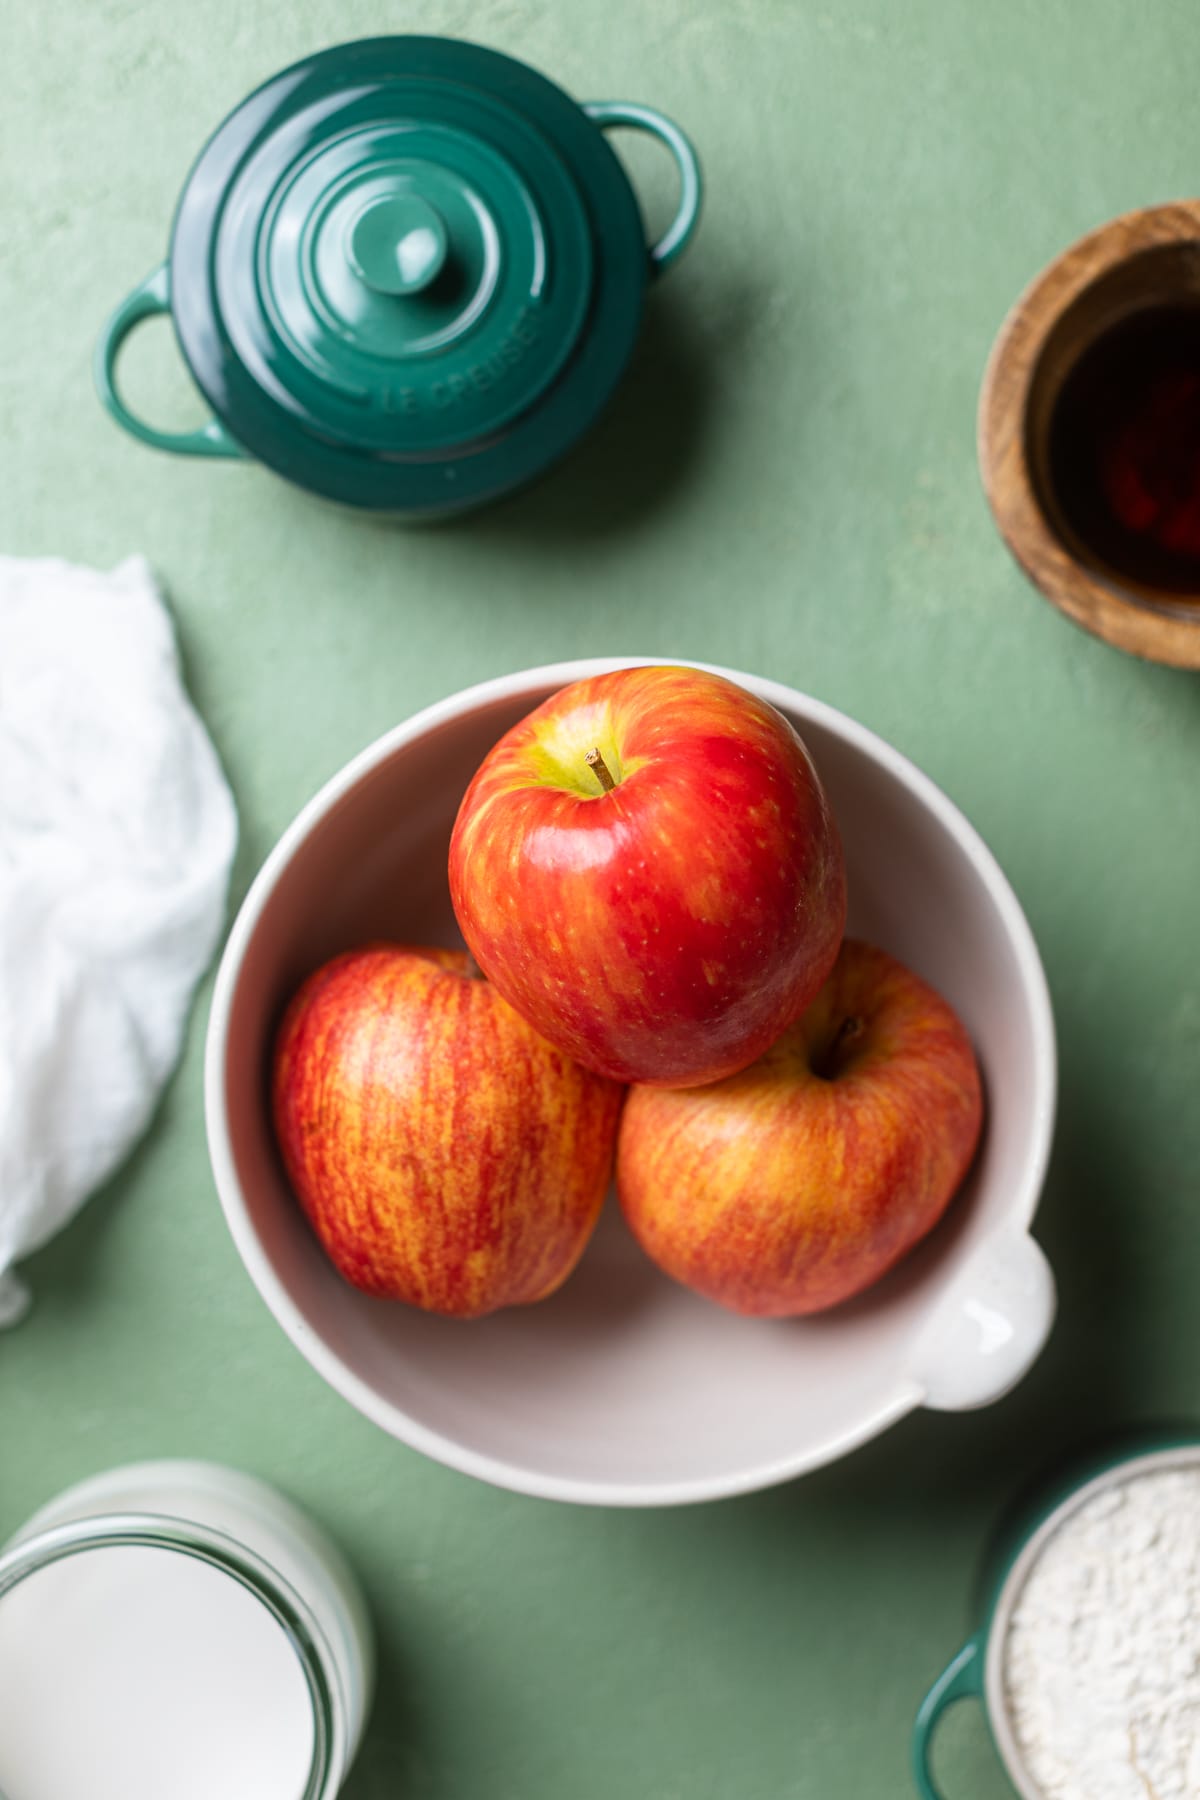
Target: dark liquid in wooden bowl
<point>1123,451</point>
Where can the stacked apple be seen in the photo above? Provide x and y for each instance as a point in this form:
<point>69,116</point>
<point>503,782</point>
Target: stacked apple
<point>650,882</point>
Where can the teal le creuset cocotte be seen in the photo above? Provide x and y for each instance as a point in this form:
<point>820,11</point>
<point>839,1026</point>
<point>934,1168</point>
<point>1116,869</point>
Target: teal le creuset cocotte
<point>977,1670</point>
<point>406,274</point>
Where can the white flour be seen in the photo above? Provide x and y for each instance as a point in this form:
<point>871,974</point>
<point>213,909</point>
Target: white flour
<point>1102,1659</point>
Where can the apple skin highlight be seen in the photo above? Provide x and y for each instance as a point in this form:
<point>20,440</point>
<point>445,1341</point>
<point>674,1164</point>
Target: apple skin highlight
<point>665,931</point>
<point>798,1182</point>
<point>445,1154</point>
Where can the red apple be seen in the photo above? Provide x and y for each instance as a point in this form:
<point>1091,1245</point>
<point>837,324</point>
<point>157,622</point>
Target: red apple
<point>648,870</point>
<point>444,1152</point>
<point>801,1180</point>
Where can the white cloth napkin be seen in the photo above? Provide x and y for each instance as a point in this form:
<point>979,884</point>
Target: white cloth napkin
<point>117,833</point>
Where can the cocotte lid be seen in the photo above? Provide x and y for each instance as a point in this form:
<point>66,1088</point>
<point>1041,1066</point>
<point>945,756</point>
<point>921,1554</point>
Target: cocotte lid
<point>409,271</point>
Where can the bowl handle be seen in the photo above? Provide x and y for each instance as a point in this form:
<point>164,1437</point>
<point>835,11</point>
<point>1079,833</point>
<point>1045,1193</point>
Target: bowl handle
<point>961,1679</point>
<point>611,114</point>
<point>988,1328</point>
<point>148,300</point>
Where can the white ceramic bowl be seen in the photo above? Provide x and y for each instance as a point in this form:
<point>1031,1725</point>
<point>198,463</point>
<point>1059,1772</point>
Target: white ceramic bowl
<point>624,1389</point>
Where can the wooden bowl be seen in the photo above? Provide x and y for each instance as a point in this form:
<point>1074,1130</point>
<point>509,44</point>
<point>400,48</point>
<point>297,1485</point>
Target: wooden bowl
<point>1136,265</point>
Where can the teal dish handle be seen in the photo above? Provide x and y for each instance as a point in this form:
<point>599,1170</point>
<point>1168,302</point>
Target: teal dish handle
<point>611,115</point>
<point>961,1679</point>
<point>149,300</point>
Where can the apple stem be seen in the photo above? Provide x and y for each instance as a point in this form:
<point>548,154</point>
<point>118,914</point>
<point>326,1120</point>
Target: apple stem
<point>471,969</point>
<point>599,768</point>
<point>847,1034</point>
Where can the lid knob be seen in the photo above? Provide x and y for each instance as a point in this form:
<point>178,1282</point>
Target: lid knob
<point>399,244</point>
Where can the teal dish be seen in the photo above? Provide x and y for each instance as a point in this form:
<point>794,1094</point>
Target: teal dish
<point>976,1670</point>
<point>407,274</point>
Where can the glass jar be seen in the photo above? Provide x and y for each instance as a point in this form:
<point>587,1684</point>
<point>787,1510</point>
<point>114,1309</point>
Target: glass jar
<point>179,1629</point>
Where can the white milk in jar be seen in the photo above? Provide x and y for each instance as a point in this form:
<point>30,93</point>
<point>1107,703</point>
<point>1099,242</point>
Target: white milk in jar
<point>175,1631</point>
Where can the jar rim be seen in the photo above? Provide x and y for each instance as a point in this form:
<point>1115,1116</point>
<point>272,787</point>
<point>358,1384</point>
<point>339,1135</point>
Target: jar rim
<point>156,1531</point>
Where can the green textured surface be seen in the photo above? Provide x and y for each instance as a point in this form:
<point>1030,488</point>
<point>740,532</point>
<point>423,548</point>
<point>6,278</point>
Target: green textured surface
<point>787,484</point>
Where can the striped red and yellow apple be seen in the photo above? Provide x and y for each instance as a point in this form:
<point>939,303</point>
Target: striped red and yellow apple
<point>800,1181</point>
<point>445,1154</point>
<point>648,870</point>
